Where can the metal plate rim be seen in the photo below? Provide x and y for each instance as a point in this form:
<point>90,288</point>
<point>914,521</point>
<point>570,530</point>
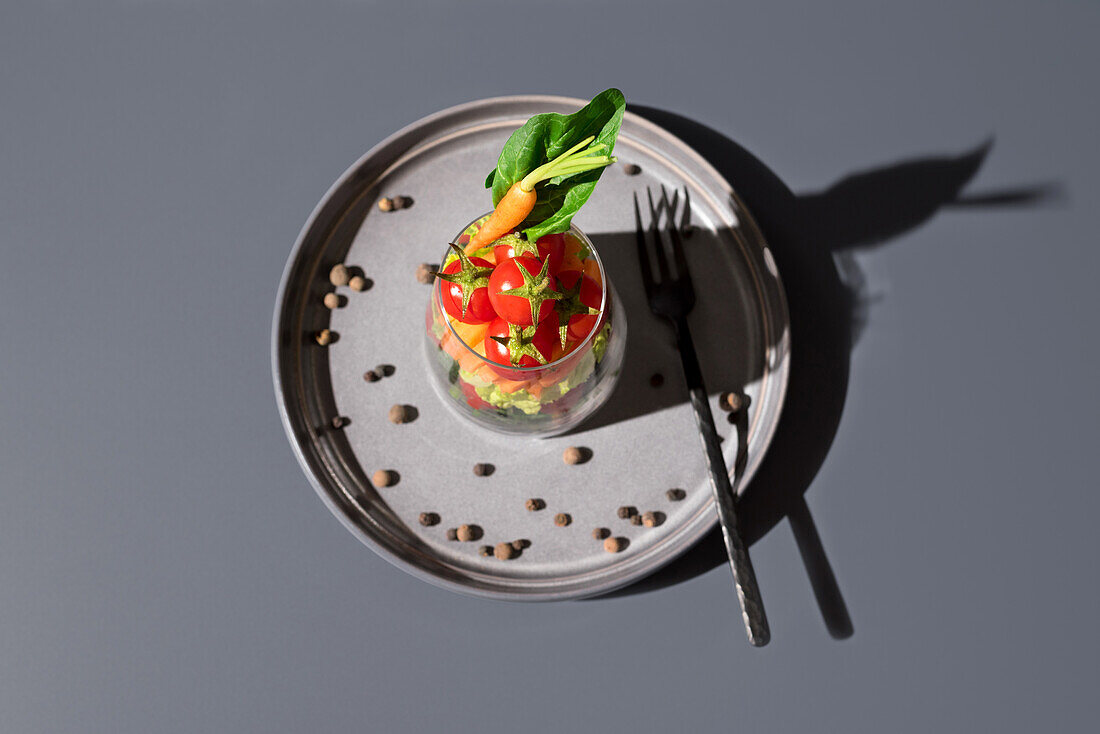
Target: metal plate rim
<point>778,371</point>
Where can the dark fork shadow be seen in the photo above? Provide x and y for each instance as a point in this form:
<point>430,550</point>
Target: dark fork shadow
<point>808,236</point>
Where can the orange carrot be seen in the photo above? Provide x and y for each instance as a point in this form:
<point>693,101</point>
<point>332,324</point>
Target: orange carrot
<point>512,209</point>
<point>519,201</point>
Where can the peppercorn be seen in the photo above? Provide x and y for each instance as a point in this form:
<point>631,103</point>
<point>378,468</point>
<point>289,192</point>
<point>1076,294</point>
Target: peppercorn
<point>385,204</point>
<point>562,519</point>
<point>534,504</point>
<point>371,376</point>
<point>675,495</point>
<point>466,533</point>
<point>600,533</point>
<point>575,455</point>
<point>653,519</point>
<point>505,551</point>
<point>385,369</point>
<point>402,414</point>
<point>614,545</point>
<point>332,300</point>
<point>485,550</point>
<point>452,533</point>
<point>635,519</point>
<point>425,273</point>
<point>730,402</point>
<point>631,169</point>
<point>483,470</point>
<point>339,421</point>
<point>427,519</point>
<point>385,478</point>
<point>521,544</point>
<point>357,283</point>
<point>325,337</point>
<point>339,275</point>
<point>626,512</point>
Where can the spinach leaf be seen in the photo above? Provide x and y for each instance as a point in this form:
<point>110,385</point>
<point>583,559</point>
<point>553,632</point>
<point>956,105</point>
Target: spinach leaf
<point>543,138</point>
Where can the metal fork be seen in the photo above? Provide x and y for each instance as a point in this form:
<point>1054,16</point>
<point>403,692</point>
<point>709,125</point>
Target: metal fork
<point>672,297</point>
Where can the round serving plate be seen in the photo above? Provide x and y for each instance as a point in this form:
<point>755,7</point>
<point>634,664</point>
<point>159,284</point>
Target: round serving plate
<point>641,444</point>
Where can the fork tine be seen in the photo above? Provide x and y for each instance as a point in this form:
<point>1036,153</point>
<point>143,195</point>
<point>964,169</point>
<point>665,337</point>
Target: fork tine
<point>659,245</point>
<point>678,251</point>
<point>671,206</point>
<point>643,256</point>
<point>685,222</point>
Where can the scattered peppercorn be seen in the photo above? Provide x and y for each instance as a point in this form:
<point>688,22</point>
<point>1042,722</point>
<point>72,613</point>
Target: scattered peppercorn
<point>535,504</point>
<point>635,519</point>
<point>562,519</point>
<point>339,421</point>
<point>332,300</point>
<point>385,478</point>
<point>521,544</point>
<point>485,550</point>
<point>425,273</point>
<point>427,519</point>
<point>452,533</point>
<point>600,533</point>
<point>675,495</point>
<point>385,204</point>
<point>339,274</point>
<point>653,519</point>
<point>483,470</point>
<point>325,337</point>
<point>631,169</point>
<point>614,545</point>
<point>656,379</point>
<point>357,283</point>
<point>505,551</point>
<point>402,414</point>
<point>385,369</point>
<point>466,533</point>
<point>576,455</point>
<point>730,402</point>
<point>626,512</point>
<point>371,376</point>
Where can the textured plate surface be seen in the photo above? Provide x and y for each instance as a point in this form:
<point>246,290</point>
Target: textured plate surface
<point>643,442</point>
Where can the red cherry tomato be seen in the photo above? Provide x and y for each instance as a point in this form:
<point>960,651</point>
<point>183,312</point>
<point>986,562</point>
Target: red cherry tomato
<point>479,309</point>
<point>516,309</point>
<point>550,247</point>
<point>591,295</point>
<point>541,338</point>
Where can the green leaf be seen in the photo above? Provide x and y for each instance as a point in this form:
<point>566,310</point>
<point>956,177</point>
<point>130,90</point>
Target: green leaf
<point>543,138</point>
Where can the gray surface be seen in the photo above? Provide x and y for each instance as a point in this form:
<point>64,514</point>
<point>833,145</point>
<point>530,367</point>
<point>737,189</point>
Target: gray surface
<point>165,565</point>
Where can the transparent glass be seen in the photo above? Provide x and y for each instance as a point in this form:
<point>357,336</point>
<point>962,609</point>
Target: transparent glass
<point>531,401</point>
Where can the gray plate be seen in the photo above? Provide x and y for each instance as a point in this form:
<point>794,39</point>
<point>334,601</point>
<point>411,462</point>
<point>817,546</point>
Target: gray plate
<point>643,441</point>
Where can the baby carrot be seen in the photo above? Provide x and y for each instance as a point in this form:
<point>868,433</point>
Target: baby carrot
<point>520,199</point>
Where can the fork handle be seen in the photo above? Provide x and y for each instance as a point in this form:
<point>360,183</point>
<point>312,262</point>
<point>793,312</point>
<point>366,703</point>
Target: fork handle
<point>744,578</point>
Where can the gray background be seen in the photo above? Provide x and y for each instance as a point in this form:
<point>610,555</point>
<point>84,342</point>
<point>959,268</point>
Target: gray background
<point>164,564</point>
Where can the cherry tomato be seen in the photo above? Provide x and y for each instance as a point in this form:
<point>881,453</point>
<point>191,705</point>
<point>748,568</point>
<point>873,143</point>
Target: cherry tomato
<point>575,305</point>
<point>535,286</point>
<point>525,340</point>
<point>548,247</point>
<point>479,309</point>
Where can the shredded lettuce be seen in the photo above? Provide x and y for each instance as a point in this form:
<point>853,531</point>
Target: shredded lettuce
<point>599,344</point>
